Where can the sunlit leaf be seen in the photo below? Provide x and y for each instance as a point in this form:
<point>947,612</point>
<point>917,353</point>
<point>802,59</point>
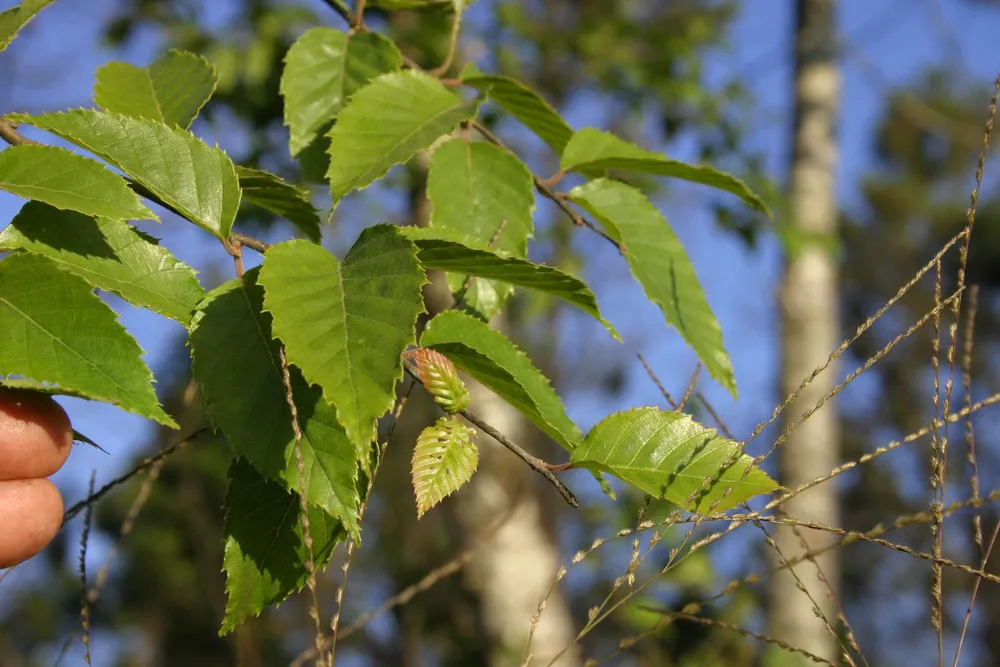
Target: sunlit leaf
<point>386,123</point>
<point>444,459</point>
<point>196,179</point>
<point>270,192</point>
<point>440,378</point>
<point>658,261</point>
<point>493,360</point>
<point>524,104</point>
<point>265,554</point>
<point>448,251</point>
<point>236,363</point>
<point>592,149</point>
<point>68,181</point>
<point>109,254</point>
<point>55,330</point>
<point>670,456</point>
<point>345,324</point>
<point>172,90</point>
<point>485,193</point>
<point>15,18</point>
<point>322,69</point>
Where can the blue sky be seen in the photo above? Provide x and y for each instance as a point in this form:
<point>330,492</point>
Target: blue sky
<point>53,67</point>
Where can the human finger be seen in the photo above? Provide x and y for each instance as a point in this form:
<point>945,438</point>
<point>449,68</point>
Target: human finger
<point>30,516</point>
<point>35,435</point>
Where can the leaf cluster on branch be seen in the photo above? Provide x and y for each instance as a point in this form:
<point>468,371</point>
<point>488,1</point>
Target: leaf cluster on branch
<point>298,358</point>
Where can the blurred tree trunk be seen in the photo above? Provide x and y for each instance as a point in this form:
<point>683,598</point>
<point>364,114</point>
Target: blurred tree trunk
<point>810,332</point>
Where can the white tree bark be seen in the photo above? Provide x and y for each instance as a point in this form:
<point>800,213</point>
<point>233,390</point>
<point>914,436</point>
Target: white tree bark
<point>515,571</point>
<point>810,332</point>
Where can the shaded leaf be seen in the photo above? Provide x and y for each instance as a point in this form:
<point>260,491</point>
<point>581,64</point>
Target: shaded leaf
<point>478,190</point>
<point>658,261</point>
<point>668,455</point>
<point>523,103</point>
<point>592,149</point>
<point>322,69</point>
<point>346,324</point>
<point>386,123</point>
<point>196,179</point>
<point>493,360</point>
<point>55,330</point>
<point>283,199</point>
<point>448,251</point>
<point>444,459</point>
<point>236,363</point>
<point>265,554</point>
<point>172,90</point>
<point>109,254</point>
<point>15,18</point>
<point>68,181</point>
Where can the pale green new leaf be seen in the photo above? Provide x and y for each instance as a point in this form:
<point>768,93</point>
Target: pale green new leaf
<point>323,68</point>
<point>524,104</point>
<point>444,458</point>
<point>591,149</point>
<point>196,179</point>
<point>670,456</point>
<point>109,254</point>
<point>236,363</point>
<point>68,181</point>
<point>345,324</point>
<point>658,261</point>
<point>386,123</point>
<point>55,330</point>
<point>15,18</point>
<point>485,193</point>
<point>272,193</point>
<point>448,251</point>
<point>265,553</point>
<point>493,360</point>
<point>172,90</point>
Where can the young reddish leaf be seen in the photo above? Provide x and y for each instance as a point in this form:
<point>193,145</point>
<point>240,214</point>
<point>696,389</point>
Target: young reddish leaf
<point>440,378</point>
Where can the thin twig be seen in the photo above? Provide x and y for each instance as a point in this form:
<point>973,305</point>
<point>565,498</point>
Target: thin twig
<point>975,589</point>
<point>543,468</point>
<point>340,9</point>
<point>359,16</point>
<point>100,493</point>
<point>938,449</point>
<point>456,27</point>
<point>303,505</point>
<point>659,385</point>
<point>970,435</point>
<point>249,242</point>
<point>690,387</point>
<point>88,518</point>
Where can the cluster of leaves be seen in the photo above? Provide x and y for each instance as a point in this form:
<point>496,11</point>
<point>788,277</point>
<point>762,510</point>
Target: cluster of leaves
<point>297,358</point>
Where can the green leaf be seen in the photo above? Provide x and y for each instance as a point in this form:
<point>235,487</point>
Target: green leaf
<point>265,554</point>
<point>109,254</point>
<point>172,90</point>
<point>668,455</point>
<point>444,459</point>
<point>448,251</point>
<point>386,123</point>
<point>284,199</point>
<point>323,68</point>
<point>493,360</point>
<point>591,149</point>
<point>68,181</point>
<point>55,330</point>
<point>196,179</point>
<point>658,261</point>
<point>236,362</point>
<point>15,18</point>
<point>523,103</point>
<point>346,324</point>
<point>478,189</point>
